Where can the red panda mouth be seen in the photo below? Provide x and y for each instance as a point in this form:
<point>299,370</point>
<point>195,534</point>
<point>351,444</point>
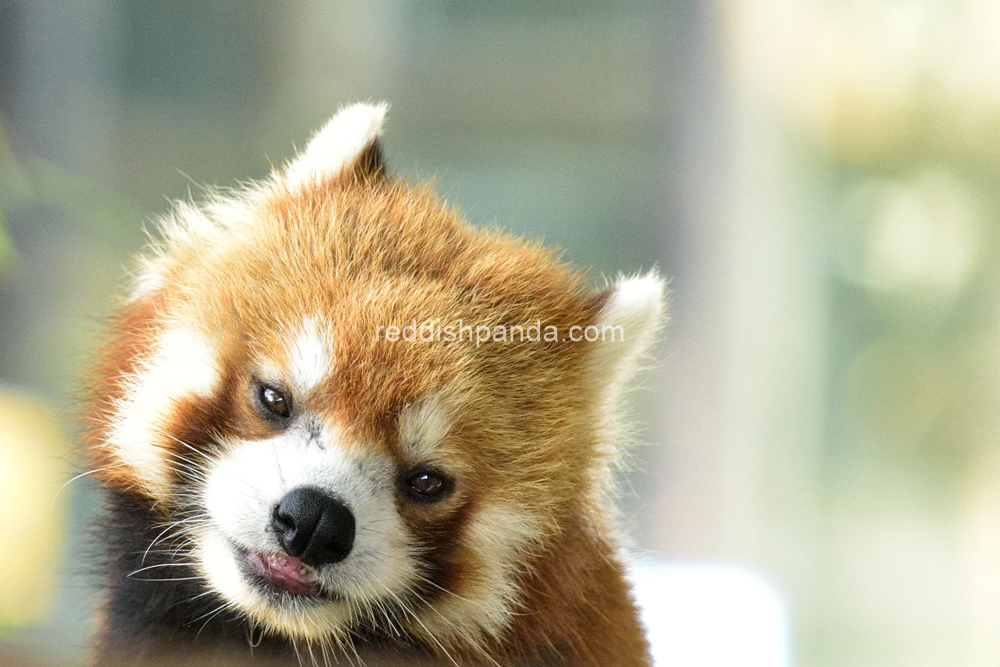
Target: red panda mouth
<point>285,572</point>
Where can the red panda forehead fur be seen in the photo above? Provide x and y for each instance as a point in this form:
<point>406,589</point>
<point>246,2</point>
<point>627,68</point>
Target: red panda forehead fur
<point>353,255</point>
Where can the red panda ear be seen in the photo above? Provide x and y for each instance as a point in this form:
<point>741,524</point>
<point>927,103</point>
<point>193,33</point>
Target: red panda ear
<point>370,164</point>
<point>348,141</point>
<point>632,312</point>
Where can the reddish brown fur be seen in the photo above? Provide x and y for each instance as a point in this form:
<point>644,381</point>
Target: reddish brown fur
<point>131,334</point>
<point>583,588</point>
<point>363,251</point>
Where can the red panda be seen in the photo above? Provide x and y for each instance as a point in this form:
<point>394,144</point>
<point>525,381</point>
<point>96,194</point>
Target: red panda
<point>336,423</point>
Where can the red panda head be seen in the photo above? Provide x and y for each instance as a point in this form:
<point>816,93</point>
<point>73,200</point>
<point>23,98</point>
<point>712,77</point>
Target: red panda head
<point>283,388</point>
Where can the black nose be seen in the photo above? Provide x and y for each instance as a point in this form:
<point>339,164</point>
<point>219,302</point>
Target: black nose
<point>314,526</point>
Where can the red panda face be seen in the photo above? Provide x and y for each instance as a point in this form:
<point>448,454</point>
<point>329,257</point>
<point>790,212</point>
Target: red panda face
<point>282,388</point>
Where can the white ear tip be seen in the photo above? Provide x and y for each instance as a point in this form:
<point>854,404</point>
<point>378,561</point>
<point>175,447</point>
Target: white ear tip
<point>640,293</point>
<point>368,117</point>
<point>337,144</point>
<point>637,306</point>
<point>362,119</point>
<point>637,299</point>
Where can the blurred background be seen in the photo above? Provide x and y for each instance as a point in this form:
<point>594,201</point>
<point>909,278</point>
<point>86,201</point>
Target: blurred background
<point>819,178</point>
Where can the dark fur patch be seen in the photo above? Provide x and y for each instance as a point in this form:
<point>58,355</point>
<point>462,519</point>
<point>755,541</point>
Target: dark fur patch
<point>370,164</point>
<point>153,597</point>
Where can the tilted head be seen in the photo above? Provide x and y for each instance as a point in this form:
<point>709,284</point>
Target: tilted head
<point>359,412</point>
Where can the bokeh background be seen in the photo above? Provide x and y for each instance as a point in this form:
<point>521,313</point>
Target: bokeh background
<point>819,178</point>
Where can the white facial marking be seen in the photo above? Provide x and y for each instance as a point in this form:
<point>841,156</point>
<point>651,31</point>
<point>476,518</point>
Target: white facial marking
<point>310,357</point>
<point>182,364</point>
<point>336,145</point>
<point>249,478</point>
<point>218,566</point>
<point>499,536</point>
<point>422,427</point>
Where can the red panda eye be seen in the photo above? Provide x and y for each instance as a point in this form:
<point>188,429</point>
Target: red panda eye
<point>426,485</point>
<point>275,402</point>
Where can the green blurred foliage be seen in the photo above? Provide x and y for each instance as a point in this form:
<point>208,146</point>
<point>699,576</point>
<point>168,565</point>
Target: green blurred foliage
<point>913,316</point>
<point>12,185</point>
<point>77,232</point>
<point>6,247</point>
<point>908,458</point>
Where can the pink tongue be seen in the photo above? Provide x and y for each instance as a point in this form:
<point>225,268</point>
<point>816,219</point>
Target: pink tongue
<point>286,571</point>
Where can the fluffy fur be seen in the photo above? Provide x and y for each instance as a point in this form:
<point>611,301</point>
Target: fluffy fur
<point>286,284</point>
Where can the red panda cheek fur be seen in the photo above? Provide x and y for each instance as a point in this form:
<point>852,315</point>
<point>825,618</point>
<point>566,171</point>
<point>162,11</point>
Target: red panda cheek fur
<point>519,564</point>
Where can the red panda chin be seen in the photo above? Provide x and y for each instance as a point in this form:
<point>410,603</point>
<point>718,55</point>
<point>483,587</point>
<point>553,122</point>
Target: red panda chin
<point>292,447</point>
<point>300,615</point>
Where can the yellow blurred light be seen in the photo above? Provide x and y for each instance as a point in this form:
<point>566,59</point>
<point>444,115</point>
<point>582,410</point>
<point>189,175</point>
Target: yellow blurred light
<point>865,75</point>
<point>32,468</point>
<point>926,236</point>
